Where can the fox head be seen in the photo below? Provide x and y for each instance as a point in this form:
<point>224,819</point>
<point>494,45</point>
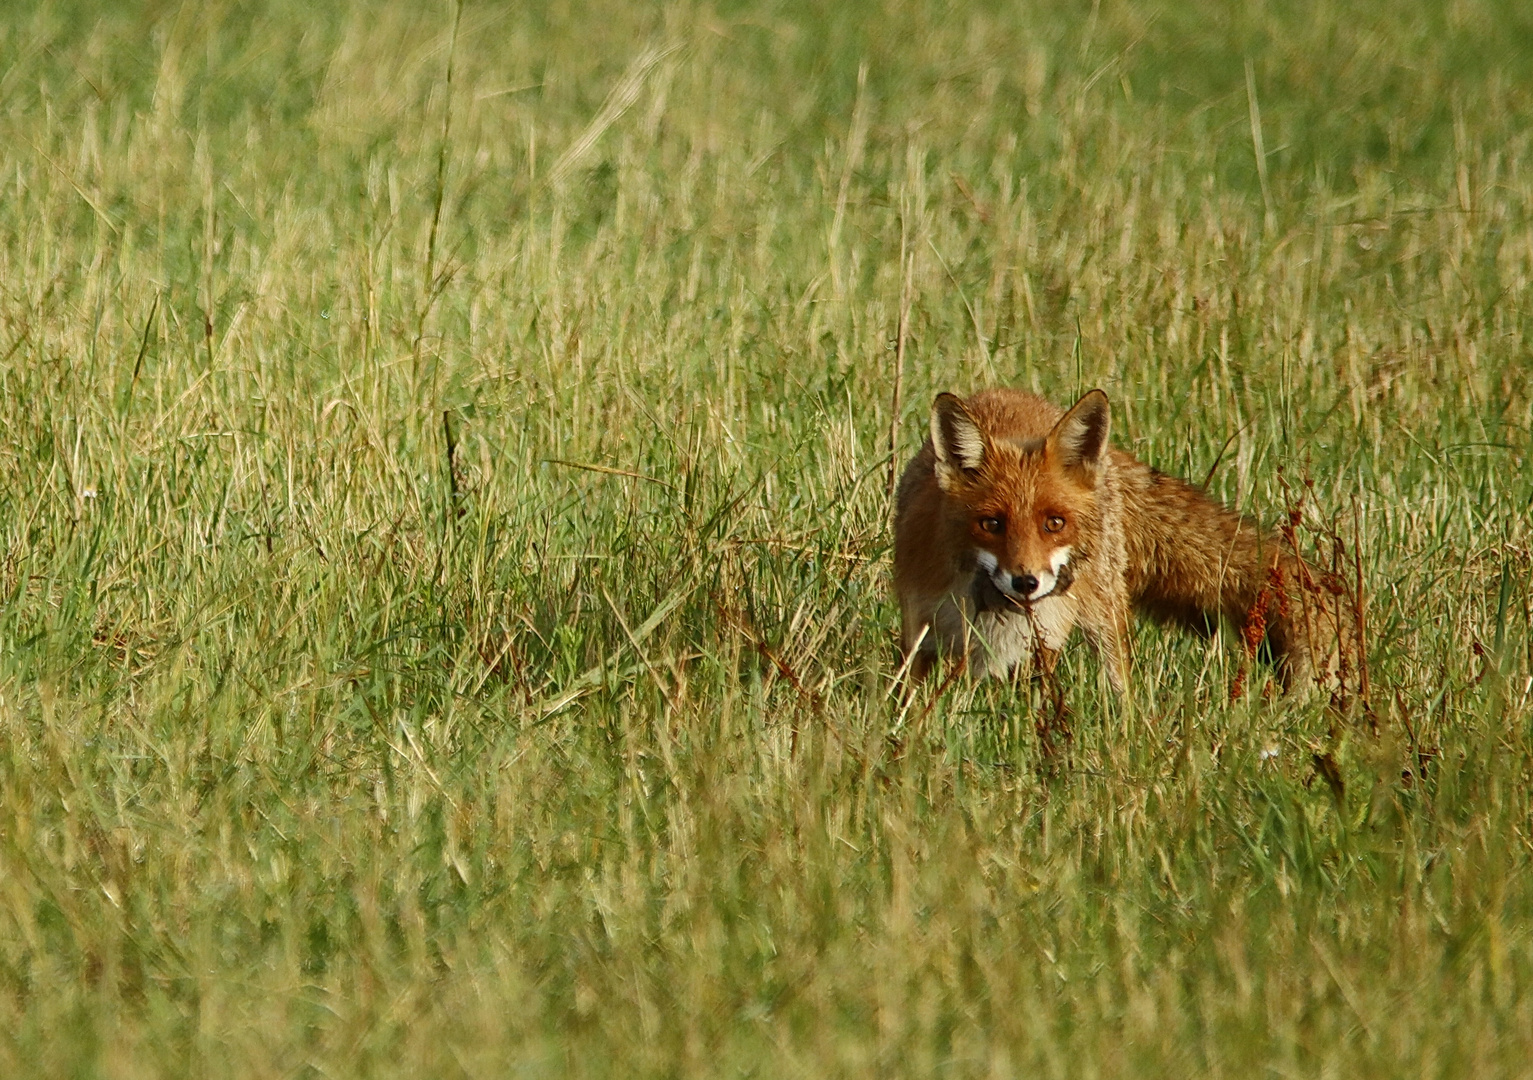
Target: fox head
<point>1027,506</point>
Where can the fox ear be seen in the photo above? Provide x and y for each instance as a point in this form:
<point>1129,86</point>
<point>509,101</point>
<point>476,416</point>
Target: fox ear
<point>1080,438</point>
<point>956,437</point>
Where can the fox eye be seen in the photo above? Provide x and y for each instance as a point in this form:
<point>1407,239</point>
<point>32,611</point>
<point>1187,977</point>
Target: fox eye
<point>1053,523</point>
<point>990,524</point>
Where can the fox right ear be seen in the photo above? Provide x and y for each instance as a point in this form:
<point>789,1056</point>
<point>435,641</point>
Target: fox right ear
<point>1080,437</point>
<point>957,439</point>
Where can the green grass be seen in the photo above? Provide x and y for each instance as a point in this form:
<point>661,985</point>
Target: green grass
<point>347,729</point>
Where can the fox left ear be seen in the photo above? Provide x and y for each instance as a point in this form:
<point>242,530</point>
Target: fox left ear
<point>1080,437</point>
<point>957,440</point>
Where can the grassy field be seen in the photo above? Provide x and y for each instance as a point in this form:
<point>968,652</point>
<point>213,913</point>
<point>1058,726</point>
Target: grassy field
<point>444,552</point>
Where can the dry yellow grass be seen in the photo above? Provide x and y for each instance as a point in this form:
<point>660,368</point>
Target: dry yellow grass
<point>444,461</point>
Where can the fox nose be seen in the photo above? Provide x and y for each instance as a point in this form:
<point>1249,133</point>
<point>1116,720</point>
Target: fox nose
<point>1024,584</point>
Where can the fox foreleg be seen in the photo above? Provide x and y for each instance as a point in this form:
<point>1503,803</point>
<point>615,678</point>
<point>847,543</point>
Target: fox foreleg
<point>1109,633</point>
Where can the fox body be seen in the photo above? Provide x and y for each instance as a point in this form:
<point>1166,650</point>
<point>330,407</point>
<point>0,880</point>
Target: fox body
<point>1018,521</point>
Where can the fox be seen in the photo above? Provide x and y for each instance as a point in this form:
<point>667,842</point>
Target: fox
<point>1018,521</point>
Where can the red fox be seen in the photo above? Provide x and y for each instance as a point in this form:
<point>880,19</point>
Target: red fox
<point>1017,521</point>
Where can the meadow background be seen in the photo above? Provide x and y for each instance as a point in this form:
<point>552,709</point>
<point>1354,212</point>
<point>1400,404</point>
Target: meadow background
<point>444,550</point>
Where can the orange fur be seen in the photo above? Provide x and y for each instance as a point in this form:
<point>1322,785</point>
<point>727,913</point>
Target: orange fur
<point>1018,521</point>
